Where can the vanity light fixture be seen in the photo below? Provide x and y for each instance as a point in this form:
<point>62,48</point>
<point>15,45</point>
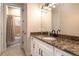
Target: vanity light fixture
<point>47,6</point>
<point>51,5</point>
<point>44,9</point>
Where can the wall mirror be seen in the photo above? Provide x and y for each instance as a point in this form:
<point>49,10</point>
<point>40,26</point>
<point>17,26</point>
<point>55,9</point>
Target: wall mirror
<point>62,16</point>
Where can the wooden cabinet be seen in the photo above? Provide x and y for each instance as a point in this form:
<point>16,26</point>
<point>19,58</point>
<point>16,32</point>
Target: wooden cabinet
<point>40,48</point>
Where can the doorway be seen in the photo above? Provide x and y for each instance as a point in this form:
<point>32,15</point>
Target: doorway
<point>13,26</point>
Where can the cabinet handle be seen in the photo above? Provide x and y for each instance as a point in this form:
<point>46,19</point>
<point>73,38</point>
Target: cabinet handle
<point>62,55</point>
<point>33,45</point>
<point>31,38</point>
<point>41,52</point>
<point>24,33</point>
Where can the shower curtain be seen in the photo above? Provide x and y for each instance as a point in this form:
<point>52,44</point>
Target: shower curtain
<point>10,29</point>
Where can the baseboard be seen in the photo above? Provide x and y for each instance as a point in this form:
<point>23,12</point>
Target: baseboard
<point>23,51</point>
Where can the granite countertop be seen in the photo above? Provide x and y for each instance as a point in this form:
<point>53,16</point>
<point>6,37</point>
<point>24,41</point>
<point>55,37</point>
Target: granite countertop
<point>67,45</point>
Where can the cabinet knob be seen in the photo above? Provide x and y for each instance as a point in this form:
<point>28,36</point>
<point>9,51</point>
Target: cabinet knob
<point>33,45</point>
<point>32,38</point>
<point>39,51</point>
<point>22,20</point>
<point>62,55</point>
<point>24,33</point>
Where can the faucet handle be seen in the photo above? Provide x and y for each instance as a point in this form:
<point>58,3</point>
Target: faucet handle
<point>53,31</point>
<point>58,31</point>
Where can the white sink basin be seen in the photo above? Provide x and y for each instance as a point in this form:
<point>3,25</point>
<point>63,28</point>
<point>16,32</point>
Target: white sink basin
<point>49,38</point>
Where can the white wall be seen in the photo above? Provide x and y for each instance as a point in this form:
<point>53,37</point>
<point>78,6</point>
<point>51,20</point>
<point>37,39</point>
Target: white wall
<point>34,21</point>
<point>34,17</point>
<point>69,19</point>
<point>15,4</point>
<point>14,11</point>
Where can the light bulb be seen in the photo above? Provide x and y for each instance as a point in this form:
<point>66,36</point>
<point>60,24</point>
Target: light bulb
<point>50,4</point>
<point>54,6</point>
<point>46,7</point>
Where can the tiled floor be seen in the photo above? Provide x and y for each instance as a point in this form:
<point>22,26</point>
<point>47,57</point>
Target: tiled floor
<point>17,40</point>
<point>14,50</point>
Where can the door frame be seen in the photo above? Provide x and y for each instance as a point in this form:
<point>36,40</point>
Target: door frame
<point>4,7</point>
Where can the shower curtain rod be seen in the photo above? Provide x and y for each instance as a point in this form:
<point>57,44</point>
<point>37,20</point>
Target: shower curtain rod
<point>14,15</point>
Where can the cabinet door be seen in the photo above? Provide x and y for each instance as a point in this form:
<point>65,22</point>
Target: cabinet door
<point>58,52</point>
<point>66,54</point>
<point>45,49</point>
<point>32,47</point>
<point>35,48</point>
<point>39,48</point>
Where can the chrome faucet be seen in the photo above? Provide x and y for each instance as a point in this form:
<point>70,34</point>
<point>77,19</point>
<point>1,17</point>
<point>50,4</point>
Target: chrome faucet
<point>53,31</point>
<point>58,31</point>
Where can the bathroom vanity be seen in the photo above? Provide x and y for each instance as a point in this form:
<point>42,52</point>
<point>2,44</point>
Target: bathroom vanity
<point>40,46</point>
<point>58,18</point>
